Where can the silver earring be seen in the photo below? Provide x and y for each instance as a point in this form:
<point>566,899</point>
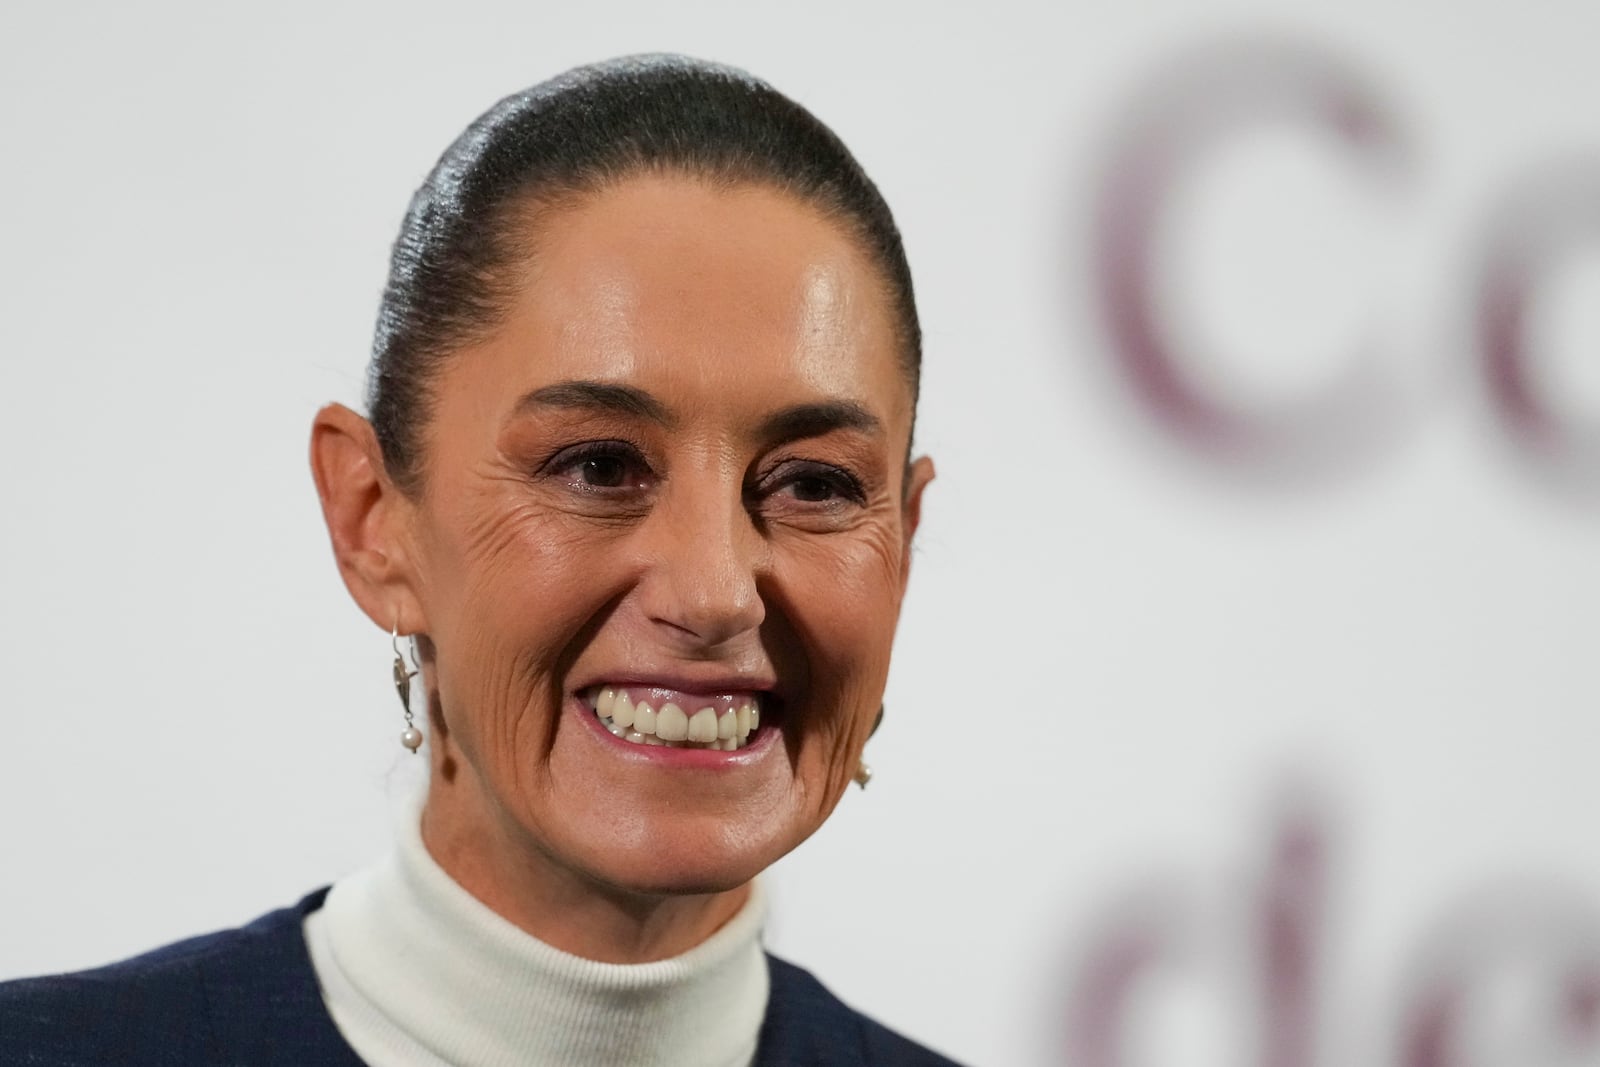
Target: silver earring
<point>863,772</point>
<point>412,737</point>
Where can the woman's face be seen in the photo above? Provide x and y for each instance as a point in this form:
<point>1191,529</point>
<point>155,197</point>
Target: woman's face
<point>675,473</point>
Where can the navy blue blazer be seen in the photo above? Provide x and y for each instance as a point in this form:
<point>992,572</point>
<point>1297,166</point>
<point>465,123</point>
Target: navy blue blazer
<point>249,998</point>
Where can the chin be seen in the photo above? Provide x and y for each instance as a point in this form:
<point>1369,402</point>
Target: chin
<point>689,859</point>
<point>656,820</point>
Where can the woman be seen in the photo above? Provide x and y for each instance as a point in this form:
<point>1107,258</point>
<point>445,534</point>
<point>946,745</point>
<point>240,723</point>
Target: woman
<point>637,481</point>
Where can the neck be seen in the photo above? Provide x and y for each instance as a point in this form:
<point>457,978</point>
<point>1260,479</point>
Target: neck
<point>511,874</point>
<point>416,970</point>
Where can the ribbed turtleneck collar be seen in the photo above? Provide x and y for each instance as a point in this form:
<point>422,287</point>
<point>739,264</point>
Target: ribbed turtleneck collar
<point>415,970</point>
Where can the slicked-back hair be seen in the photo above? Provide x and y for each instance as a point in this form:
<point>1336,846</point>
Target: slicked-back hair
<point>454,269</point>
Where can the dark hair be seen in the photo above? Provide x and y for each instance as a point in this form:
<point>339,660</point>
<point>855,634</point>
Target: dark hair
<point>451,276</point>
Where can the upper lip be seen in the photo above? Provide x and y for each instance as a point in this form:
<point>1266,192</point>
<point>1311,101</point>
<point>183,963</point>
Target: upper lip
<point>691,682</point>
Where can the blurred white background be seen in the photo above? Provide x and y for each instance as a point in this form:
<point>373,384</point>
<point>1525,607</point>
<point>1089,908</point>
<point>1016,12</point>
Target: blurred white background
<point>1125,659</point>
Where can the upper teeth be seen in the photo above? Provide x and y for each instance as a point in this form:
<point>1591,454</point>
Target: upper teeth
<point>647,717</point>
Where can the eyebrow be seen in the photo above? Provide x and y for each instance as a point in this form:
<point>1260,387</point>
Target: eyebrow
<point>816,419</point>
<point>812,419</point>
<point>598,396</point>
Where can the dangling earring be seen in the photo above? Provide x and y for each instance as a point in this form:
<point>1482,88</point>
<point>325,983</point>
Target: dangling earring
<point>863,772</point>
<point>412,737</point>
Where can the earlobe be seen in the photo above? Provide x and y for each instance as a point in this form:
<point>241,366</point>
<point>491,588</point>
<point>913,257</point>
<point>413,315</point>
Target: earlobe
<point>364,512</point>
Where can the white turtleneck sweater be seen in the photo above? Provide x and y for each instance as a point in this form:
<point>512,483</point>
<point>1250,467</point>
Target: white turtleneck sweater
<point>417,971</point>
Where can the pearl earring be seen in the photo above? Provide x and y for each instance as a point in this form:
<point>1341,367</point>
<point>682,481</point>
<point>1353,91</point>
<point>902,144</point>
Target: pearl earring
<point>863,773</point>
<point>412,737</point>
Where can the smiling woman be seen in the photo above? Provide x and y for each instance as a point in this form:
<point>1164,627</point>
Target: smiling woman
<point>638,482</point>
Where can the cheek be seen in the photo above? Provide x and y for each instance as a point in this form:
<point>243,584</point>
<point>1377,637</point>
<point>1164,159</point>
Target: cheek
<point>514,587</point>
<point>843,593</point>
<point>850,581</point>
<point>523,571</point>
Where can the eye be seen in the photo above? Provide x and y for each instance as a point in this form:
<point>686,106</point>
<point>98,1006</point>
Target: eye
<point>605,472</point>
<point>813,489</point>
<point>817,484</point>
<point>600,467</point>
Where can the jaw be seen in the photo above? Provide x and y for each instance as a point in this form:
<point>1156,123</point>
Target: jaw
<point>531,832</point>
<point>681,820</point>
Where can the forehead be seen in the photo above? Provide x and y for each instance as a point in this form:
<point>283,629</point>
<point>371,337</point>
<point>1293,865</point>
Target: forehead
<point>679,286</point>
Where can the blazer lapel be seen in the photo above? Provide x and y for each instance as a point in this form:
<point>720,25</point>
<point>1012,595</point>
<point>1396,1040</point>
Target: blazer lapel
<point>805,1025</point>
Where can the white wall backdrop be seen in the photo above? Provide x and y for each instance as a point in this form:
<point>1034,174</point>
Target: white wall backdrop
<point>1304,756</point>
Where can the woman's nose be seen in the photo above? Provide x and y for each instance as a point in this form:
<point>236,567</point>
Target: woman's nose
<point>705,561</point>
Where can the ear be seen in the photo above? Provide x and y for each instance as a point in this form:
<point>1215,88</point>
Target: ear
<point>367,517</point>
<point>918,475</point>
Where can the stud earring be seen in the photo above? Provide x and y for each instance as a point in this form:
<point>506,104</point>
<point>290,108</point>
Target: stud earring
<point>863,773</point>
<point>412,737</point>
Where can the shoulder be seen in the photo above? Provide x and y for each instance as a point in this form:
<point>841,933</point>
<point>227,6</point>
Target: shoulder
<point>180,1004</point>
<point>807,1025</point>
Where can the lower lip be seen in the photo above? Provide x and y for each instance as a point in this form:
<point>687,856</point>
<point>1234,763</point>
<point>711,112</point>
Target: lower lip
<point>666,756</point>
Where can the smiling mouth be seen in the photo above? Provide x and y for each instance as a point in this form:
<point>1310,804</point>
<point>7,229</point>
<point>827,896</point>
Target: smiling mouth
<point>642,715</point>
